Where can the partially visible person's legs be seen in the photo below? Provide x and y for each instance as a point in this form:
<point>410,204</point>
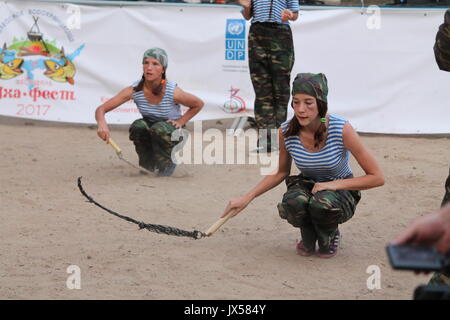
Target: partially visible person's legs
<point>442,55</point>
<point>447,191</point>
<point>443,277</point>
<point>294,208</point>
<point>259,57</point>
<point>328,209</point>
<point>442,44</point>
<point>139,134</point>
<point>162,144</point>
<point>283,58</point>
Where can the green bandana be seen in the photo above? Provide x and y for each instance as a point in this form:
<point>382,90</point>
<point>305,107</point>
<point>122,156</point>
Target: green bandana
<point>158,54</point>
<point>312,84</point>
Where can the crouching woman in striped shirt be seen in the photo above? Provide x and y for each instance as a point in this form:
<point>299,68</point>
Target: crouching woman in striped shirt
<point>325,194</point>
<point>158,101</point>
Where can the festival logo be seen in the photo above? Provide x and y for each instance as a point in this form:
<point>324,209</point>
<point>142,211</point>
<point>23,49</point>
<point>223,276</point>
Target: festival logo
<point>234,104</point>
<point>32,52</point>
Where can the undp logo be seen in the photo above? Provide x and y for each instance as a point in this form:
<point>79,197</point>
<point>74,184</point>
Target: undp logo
<point>235,28</point>
<point>235,39</point>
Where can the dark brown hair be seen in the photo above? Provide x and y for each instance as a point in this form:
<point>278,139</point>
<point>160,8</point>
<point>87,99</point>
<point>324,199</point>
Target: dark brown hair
<point>294,126</point>
<point>156,91</point>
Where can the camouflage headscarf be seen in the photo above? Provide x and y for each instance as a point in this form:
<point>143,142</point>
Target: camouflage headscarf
<point>158,54</point>
<point>315,85</point>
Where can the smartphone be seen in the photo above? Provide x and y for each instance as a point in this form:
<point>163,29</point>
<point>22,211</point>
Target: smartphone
<point>419,258</point>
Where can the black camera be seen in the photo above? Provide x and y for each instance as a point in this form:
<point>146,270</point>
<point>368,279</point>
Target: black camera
<point>425,259</point>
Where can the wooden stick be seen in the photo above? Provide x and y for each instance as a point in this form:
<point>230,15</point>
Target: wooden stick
<point>114,145</point>
<point>218,224</point>
<point>120,155</point>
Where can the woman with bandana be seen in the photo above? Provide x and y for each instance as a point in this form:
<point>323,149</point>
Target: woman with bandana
<point>325,193</point>
<point>158,100</point>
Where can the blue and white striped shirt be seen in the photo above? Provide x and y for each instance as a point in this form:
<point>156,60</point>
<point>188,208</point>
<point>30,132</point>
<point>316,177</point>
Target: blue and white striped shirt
<point>329,163</point>
<point>262,11</point>
<point>167,109</point>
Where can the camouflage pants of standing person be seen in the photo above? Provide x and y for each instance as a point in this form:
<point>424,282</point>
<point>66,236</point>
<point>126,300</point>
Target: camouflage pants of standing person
<point>442,44</point>
<point>271,58</point>
<point>443,277</point>
<point>153,143</point>
<point>318,215</point>
<point>442,55</point>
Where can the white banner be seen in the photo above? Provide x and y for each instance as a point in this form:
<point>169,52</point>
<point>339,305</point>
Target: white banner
<point>380,65</point>
<point>58,62</point>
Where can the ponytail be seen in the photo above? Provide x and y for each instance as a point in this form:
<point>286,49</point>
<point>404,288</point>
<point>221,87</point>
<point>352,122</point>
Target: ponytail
<point>293,127</point>
<point>140,85</point>
<point>320,134</point>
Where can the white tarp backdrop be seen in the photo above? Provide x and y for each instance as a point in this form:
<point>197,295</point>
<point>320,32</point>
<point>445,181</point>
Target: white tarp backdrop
<point>62,61</point>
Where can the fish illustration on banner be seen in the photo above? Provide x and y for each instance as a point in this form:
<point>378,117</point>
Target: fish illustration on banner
<point>9,68</point>
<point>60,72</point>
<point>57,65</point>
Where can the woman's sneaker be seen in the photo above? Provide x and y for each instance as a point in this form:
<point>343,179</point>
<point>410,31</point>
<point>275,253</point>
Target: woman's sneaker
<point>332,249</point>
<point>303,250</point>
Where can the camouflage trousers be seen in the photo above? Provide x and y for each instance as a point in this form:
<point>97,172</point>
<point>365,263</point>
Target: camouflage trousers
<point>442,44</point>
<point>443,277</point>
<point>153,143</point>
<point>318,215</point>
<point>271,58</point>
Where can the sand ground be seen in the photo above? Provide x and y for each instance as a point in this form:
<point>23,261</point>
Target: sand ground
<point>47,225</point>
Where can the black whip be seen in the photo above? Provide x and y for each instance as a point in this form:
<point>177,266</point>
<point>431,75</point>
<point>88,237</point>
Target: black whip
<point>150,227</point>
